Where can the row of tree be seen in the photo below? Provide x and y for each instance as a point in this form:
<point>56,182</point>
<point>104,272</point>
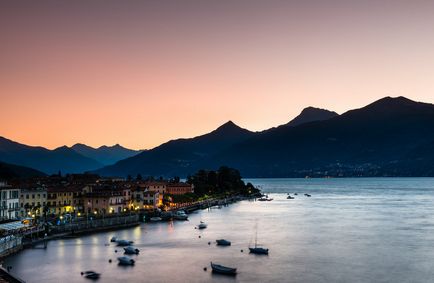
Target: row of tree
<point>225,180</point>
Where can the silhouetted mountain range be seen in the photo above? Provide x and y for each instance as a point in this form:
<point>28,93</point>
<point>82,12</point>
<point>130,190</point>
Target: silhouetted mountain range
<point>105,155</point>
<point>10,172</point>
<point>390,137</point>
<point>179,155</point>
<point>48,161</point>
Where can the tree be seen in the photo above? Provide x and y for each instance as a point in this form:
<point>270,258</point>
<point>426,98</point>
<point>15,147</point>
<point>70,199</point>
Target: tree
<point>139,177</point>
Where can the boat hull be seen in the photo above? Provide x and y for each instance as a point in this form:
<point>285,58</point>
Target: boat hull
<point>220,269</point>
<point>260,251</point>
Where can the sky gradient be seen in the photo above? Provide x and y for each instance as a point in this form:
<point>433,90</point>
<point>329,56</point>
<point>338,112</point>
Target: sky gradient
<point>140,73</point>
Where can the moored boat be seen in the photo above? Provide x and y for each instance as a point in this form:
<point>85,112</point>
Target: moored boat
<point>131,250</point>
<point>218,268</point>
<point>180,215</point>
<point>258,250</point>
<point>113,239</point>
<point>202,225</point>
<point>124,260</point>
<point>91,274</point>
<point>123,243</point>
<point>223,242</point>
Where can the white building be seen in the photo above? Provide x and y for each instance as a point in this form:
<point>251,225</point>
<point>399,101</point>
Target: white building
<point>9,202</point>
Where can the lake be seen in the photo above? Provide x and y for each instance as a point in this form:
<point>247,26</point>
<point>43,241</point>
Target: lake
<point>350,230</point>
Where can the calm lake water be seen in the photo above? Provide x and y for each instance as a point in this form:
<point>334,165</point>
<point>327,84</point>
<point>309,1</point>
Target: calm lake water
<point>350,230</point>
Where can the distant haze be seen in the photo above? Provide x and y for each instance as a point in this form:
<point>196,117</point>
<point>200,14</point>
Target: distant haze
<point>140,73</point>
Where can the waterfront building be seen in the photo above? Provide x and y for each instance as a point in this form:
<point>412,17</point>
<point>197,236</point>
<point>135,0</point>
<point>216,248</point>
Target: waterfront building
<point>179,188</point>
<point>100,201</point>
<point>33,201</point>
<point>64,199</point>
<point>143,199</point>
<point>9,201</point>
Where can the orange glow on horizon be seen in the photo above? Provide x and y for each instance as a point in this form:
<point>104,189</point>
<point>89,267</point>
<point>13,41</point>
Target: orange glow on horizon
<point>140,74</point>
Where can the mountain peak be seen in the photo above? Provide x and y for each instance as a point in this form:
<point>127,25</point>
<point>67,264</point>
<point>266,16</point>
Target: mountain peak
<point>229,125</point>
<point>400,104</point>
<point>312,114</point>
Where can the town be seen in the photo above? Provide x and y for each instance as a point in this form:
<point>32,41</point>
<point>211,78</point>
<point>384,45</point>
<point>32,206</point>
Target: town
<point>77,195</point>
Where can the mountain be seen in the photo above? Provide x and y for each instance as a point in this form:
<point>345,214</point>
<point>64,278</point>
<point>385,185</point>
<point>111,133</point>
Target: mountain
<point>48,161</point>
<point>105,155</point>
<point>181,156</point>
<point>10,171</point>
<point>390,137</point>
<point>311,114</point>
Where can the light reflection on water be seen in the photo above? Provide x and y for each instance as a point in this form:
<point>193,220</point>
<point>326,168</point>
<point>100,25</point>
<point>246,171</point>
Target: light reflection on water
<point>350,230</point>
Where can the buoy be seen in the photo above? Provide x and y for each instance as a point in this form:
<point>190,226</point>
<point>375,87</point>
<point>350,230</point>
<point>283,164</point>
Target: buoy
<point>110,260</point>
<point>205,268</point>
<point>81,273</point>
<point>241,250</point>
<point>199,236</point>
<point>116,251</point>
<point>209,243</point>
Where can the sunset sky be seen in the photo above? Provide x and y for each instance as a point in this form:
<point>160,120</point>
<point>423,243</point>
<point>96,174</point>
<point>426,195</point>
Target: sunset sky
<point>140,73</point>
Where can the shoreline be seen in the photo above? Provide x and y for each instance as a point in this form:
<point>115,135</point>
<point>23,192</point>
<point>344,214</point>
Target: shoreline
<point>69,232</point>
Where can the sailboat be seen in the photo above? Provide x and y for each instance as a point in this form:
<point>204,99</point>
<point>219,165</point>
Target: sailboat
<point>256,249</point>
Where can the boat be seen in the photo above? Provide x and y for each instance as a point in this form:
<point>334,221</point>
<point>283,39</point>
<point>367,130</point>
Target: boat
<point>269,199</point>
<point>124,260</point>
<point>202,225</point>
<point>180,215</point>
<point>308,195</point>
<point>295,194</point>
<point>262,199</point>
<point>256,249</point>
<point>113,239</point>
<point>131,250</point>
<point>166,215</point>
<point>217,268</point>
<point>155,219</point>
<point>290,197</point>
<point>223,242</point>
<point>91,274</point>
<point>123,243</point>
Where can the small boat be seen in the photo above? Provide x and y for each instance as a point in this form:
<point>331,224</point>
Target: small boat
<point>131,250</point>
<point>223,242</point>
<point>308,195</point>
<point>295,194</point>
<point>256,249</point>
<point>217,268</point>
<point>123,243</point>
<point>155,219</point>
<point>262,199</point>
<point>180,215</point>
<point>202,225</point>
<point>269,199</point>
<point>91,274</point>
<point>290,197</point>
<point>124,260</point>
<point>113,239</point>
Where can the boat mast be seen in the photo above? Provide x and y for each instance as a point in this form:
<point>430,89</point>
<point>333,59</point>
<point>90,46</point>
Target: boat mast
<point>256,234</point>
